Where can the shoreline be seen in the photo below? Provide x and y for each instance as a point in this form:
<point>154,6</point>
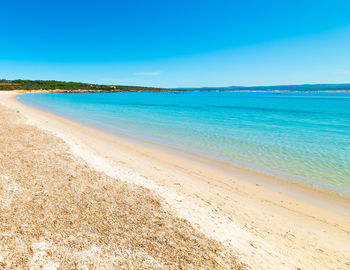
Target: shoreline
<point>323,198</point>
<point>268,216</point>
<point>329,200</point>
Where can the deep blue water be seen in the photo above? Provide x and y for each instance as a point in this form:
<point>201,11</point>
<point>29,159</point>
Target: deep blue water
<point>302,137</point>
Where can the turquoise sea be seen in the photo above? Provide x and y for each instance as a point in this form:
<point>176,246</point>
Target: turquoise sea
<point>302,137</point>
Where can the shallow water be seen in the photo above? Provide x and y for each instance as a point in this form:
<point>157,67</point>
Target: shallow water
<point>302,137</point>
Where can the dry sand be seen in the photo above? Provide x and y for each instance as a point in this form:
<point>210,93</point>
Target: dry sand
<point>57,212</point>
<point>261,227</point>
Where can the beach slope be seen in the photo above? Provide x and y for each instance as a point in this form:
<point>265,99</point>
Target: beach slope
<point>72,196</point>
<point>57,212</point>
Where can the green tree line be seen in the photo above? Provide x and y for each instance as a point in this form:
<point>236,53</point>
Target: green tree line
<point>62,85</point>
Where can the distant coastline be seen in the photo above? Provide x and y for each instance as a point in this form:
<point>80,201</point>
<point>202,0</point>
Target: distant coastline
<point>175,91</point>
<point>344,87</point>
<point>52,86</point>
<point>274,91</point>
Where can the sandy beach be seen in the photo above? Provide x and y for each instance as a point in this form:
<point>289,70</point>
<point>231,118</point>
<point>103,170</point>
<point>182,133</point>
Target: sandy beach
<point>75,197</point>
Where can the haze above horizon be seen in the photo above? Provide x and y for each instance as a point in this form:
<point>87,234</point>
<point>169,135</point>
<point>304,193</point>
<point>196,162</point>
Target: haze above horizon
<point>177,44</point>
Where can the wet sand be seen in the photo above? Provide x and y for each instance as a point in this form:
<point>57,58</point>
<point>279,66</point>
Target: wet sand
<point>262,227</point>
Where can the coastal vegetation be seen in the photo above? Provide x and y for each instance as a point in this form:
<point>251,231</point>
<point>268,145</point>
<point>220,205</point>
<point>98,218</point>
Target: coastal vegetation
<point>6,85</point>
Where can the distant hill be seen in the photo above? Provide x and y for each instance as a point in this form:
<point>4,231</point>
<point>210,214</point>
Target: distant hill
<point>69,86</point>
<point>299,87</point>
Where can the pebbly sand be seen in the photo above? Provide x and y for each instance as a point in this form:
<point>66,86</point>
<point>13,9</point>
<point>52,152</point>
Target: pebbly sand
<point>74,197</point>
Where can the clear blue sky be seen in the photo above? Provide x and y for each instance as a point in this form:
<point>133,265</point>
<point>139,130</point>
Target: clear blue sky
<point>177,43</point>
